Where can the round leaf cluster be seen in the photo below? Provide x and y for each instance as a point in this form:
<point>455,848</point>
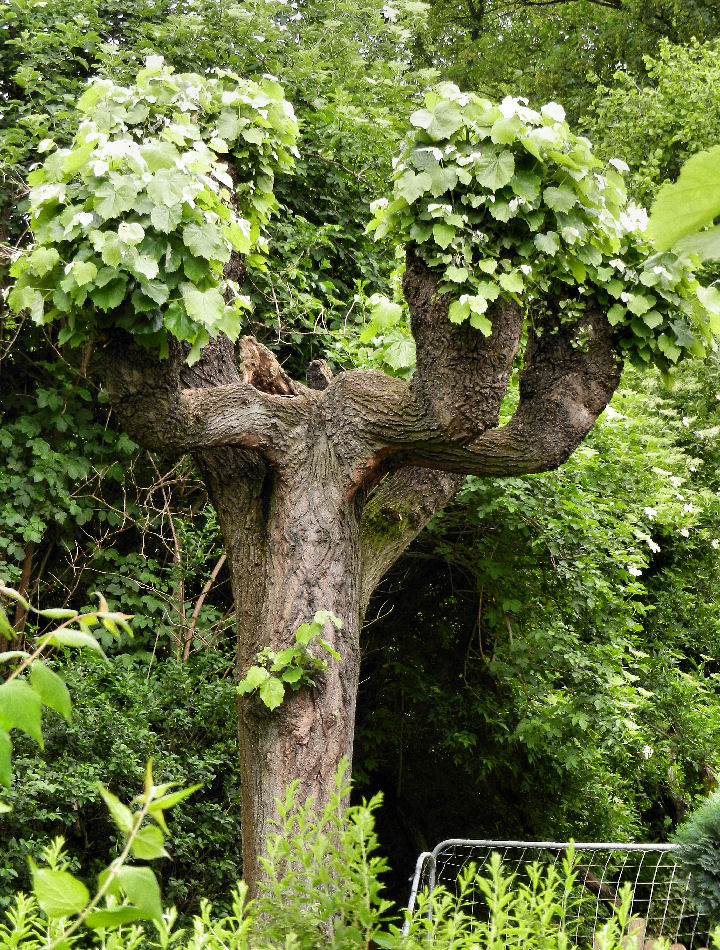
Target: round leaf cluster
<point>503,201</point>
<point>134,223</point>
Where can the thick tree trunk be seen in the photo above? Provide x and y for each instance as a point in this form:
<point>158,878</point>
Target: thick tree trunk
<point>313,545</point>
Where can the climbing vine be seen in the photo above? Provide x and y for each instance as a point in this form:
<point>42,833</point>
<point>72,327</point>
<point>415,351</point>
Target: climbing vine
<point>503,201</point>
<point>134,223</point>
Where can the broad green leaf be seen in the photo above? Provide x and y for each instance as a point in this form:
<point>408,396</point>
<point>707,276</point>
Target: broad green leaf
<point>178,323</point>
<point>505,131</point>
<point>706,244</point>
<point>481,323</point>
<point>113,917</point>
<point>548,243</point>
<point>513,282</point>
<point>207,306</point>
<point>149,843</point>
<point>443,234</point>
<point>120,814</point>
<point>292,674</point>
<point>167,186</point>
<point>159,154</point>
<point>457,274</point>
<point>141,888</point>
<point>111,295</point>
<point>206,240</point>
<point>76,638</point>
<point>446,120</point>
<point>5,750</point>
<point>51,689</point>
<point>306,631</point>
<point>560,199</point>
<point>165,218</point>
<point>443,179</point>
<point>131,232</point>
<point>639,304</point>
<point>494,170</point>
<point>58,893</point>
<point>43,259</point>
<point>252,679</point>
<point>144,265</point>
<point>272,692</point>
<point>20,707</point>
<point>83,272</point>
<point>459,311</point>
<point>667,347</point>
<point>411,185</point>
<point>690,203</point>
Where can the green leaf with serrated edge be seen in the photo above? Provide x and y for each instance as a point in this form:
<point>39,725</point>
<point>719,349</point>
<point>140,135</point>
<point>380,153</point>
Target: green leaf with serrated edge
<point>167,187</point>
<point>42,260</point>
<point>178,322</point>
<point>58,893</point>
<point>20,707</point>
<point>113,917</point>
<point>206,240</point>
<point>690,203</point>
<point>165,218</point>
<point>149,843</point>
<point>560,199</point>
<point>446,120</point>
<point>271,692</point>
<point>142,890</point>
<point>76,638</point>
<point>401,354</point>
<point>120,814</point>
<point>548,243</point>
<point>306,631</point>
<point>513,282</point>
<point>292,674</point>
<point>83,272</point>
<point>111,295</point>
<point>481,323</point>
<point>252,679</point>
<point>443,234</point>
<point>5,766</point>
<point>494,171</point>
<point>459,311</point>
<point>457,274</point>
<point>504,131</point>
<point>412,186</point>
<point>639,304</point>
<point>174,798</point>
<point>51,689</point>
<point>207,306</point>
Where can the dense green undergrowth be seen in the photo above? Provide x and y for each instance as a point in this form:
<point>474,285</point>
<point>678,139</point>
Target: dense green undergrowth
<point>182,715</point>
<point>321,889</point>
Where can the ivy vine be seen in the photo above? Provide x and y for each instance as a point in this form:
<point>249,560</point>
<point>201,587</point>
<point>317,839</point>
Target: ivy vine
<point>503,201</point>
<point>134,223</point>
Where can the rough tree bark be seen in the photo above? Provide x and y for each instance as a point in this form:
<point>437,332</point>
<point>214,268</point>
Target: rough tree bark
<point>319,490</point>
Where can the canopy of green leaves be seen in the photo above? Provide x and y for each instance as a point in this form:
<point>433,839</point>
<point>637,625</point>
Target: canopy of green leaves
<point>505,200</point>
<point>134,222</point>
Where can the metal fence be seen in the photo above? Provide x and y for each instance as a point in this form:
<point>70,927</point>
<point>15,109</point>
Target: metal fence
<point>659,889</point>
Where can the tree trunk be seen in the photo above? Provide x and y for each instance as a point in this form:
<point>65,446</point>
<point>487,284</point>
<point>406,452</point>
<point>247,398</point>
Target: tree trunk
<point>312,542</point>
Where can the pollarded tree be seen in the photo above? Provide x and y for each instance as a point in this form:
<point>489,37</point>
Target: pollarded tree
<point>514,242</point>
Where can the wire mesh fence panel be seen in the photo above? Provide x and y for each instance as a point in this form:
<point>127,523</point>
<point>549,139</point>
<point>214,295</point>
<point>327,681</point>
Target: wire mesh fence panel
<point>659,891</point>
